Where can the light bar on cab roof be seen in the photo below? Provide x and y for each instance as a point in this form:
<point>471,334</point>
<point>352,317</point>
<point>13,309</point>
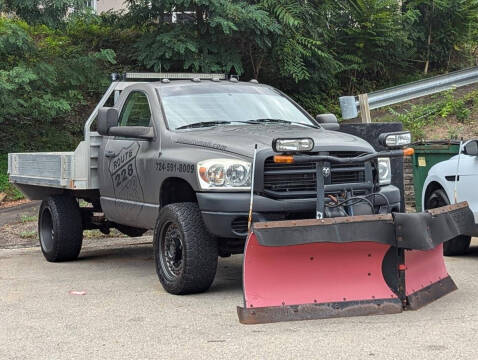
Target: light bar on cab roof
<point>174,76</point>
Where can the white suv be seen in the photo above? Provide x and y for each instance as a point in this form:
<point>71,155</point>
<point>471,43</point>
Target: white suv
<point>454,180</point>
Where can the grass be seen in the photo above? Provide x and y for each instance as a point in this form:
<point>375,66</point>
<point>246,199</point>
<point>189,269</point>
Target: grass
<point>28,218</point>
<point>445,106</point>
<point>5,187</point>
<point>28,234</point>
<point>95,234</point>
<point>87,234</point>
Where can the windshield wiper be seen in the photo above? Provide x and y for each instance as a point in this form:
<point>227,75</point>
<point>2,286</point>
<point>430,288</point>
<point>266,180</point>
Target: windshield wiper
<point>202,124</point>
<point>266,120</point>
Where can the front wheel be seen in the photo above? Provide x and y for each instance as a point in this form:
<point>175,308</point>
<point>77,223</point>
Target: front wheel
<point>185,252</point>
<point>458,245</point>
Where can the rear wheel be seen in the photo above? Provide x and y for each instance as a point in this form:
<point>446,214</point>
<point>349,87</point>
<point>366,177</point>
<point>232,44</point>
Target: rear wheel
<point>458,245</point>
<point>184,251</point>
<point>60,228</point>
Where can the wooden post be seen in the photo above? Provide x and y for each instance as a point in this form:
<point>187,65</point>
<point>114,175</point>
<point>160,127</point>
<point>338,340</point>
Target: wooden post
<point>364,109</point>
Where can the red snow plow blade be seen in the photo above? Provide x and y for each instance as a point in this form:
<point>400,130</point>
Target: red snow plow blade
<point>426,278</point>
<point>348,266</point>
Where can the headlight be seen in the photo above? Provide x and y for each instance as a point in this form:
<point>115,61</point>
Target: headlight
<point>285,145</point>
<point>395,139</point>
<point>224,174</point>
<point>384,171</point>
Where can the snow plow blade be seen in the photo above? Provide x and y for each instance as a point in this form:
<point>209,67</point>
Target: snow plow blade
<point>348,266</point>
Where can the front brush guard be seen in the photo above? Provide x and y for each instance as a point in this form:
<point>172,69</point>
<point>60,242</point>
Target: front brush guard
<point>370,264</point>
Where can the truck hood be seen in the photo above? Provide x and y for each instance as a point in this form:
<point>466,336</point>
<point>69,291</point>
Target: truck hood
<point>241,139</point>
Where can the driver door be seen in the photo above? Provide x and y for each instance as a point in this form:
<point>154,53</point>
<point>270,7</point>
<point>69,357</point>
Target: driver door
<point>124,164</point>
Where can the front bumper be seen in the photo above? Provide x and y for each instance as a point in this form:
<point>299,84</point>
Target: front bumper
<point>225,213</point>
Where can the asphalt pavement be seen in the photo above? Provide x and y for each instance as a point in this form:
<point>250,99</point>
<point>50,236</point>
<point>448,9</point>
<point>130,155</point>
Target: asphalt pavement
<point>110,305</point>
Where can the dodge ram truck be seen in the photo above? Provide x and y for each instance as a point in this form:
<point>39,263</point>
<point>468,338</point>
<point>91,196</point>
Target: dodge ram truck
<point>174,153</point>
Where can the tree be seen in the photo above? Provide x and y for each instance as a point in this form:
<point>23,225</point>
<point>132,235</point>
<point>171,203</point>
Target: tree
<point>444,27</point>
<point>42,75</point>
<point>370,40</point>
<point>299,48</point>
<point>210,39</point>
<point>47,12</point>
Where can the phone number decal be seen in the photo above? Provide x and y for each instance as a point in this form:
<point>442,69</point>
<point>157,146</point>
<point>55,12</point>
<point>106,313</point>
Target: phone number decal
<point>169,166</point>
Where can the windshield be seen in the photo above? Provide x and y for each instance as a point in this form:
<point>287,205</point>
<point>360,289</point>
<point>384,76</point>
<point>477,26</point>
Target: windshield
<point>187,106</point>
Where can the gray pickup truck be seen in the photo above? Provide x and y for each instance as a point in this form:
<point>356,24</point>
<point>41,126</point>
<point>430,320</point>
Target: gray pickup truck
<point>176,156</point>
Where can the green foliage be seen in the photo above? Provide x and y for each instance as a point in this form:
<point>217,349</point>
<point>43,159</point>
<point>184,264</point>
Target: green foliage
<point>5,186</point>
<point>454,132</point>
<point>443,106</point>
<point>55,55</point>
<point>217,38</point>
<point>28,234</point>
<point>28,218</point>
<point>372,42</point>
<point>445,31</point>
<point>316,104</point>
<point>43,75</point>
<point>452,106</point>
<point>297,43</point>
<point>49,12</point>
<point>46,75</point>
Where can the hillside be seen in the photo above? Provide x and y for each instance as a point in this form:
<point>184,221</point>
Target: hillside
<point>446,115</point>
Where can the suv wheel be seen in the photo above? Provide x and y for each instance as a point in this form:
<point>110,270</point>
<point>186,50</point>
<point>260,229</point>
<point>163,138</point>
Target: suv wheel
<point>60,228</point>
<point>185,253</point>
<point>458,245</point>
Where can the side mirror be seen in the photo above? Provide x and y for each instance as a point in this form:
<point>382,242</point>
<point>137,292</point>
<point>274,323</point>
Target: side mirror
<point>471,148</point>
<point>107,118</point>
<point>135,132</point>
<point>328,121</point>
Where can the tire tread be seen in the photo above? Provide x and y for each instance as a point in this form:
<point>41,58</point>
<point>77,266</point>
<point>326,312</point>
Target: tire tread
<point>68,228</point>
<point>200,247</point>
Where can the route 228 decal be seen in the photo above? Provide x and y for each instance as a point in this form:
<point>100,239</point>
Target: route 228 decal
<point>125,175</point>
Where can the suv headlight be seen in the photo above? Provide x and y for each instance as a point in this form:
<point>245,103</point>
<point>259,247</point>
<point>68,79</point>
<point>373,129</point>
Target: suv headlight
<point>224,174</point>
<point>384,171</point>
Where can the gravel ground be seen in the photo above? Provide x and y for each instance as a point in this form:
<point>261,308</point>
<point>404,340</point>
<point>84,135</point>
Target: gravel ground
<point>18,228</point>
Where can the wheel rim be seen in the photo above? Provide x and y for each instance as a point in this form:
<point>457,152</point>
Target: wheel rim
<point>171,251</point>
<point>46,230</point>
<point>436,200</point>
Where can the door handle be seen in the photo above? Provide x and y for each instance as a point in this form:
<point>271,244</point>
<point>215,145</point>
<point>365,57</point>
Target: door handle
<point>110,153</point>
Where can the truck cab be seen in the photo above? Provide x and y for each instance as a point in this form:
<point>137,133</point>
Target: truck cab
<point>202,136</point>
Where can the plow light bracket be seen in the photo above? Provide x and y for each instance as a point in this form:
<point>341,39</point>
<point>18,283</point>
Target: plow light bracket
<point>395,139</point>
<point>292,144</point>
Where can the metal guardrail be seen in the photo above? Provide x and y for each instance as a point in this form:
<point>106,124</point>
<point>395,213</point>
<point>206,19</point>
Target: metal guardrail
<point>363,103</point>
